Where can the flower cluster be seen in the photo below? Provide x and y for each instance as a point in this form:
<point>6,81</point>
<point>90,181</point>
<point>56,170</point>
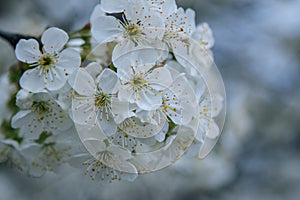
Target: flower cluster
<point>133,94</point>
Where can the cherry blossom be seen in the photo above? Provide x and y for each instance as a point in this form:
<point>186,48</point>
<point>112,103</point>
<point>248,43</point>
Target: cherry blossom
<point>49,64</point>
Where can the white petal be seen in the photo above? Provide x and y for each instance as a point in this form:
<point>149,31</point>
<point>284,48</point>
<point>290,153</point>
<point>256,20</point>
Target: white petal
<point>213,131</point>
<point>32,81</point>
<point>121,110</point>
<point>217,104</point>
<point>31,152</point>
<point>24,100</point>
<point>20,119</point>
<point>82,82</point>
<point>84,111</point>
<point>106,28</point>
<point>137,57</point>
<point>146,116</point>
<point>33,127</point>
<point>54,39</point>
<point>204,35</point>
<point>59,119</point>
<point>108,81</point>
<point>125,93</point>
<point>122,49</point>
<point>115,6</point>
<point>134,127</point>
<point>139,12</point>
<point>122,153</point>
<point>160,78</point>
<point>194,149</point>
<point>69,60</point>
<point>56,79</point>
<point>95,145</point>
<point>152,27</point>
<point>77,159</point>
<point>94,69</point>
<point>147,99</point>
<point>28,51</point>
<point>135,9</point>
<point>165,7</point>
<point>206,147</point>
<point>41,96</point>
<point>174,110</point>
<point>124,140</point>
<point>186,95</point>
<point>123,166</point>
<point>125,71</point>
<point>160,137</point>
<point>107,123</point>
<point>190,25</point>
<point>97,12</point>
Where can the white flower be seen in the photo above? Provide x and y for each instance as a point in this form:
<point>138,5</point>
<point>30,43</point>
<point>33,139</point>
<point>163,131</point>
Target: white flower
<point>200,54</point>
<point>50,65</point>
<point>10,152</point>
<point>134,127</point>
<point>190,44</point>
<point>204,35</point>
<point>208,131</point>
<point>98,171</point>
<point>179,100</point>
<point>138,25</point>
<point>194,78</point>
<point>141,79</point>
<point>50,155</point>
<point>210,107</point>
<point>179,27</point>
<point>111,155</point>
<point>44,114</point>
<point>95,100</point>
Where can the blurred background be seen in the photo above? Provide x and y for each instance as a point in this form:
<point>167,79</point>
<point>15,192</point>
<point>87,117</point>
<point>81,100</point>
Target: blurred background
<point>258,54</point>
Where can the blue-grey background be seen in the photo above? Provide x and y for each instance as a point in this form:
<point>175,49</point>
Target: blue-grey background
<point>258,54</point>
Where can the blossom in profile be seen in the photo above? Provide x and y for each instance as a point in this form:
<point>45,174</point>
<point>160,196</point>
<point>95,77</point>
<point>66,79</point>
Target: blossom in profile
<point>40,113</point>
<point>49,155</point>
<point>108,164</point>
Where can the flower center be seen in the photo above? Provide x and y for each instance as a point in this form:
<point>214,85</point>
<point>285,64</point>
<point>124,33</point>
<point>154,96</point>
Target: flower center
<point>41,107</point>
<point>132,30</point>
<point>137,82</point>
<point>46,62</point>
<point>102,99</point>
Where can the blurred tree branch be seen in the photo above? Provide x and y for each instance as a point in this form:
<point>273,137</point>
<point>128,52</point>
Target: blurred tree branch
<point>13,38</point>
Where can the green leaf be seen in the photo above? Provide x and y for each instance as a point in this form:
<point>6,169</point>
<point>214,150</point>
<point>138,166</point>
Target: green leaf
<point>11,103</point>
<point>9,132</point>
<point>43,137</point>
